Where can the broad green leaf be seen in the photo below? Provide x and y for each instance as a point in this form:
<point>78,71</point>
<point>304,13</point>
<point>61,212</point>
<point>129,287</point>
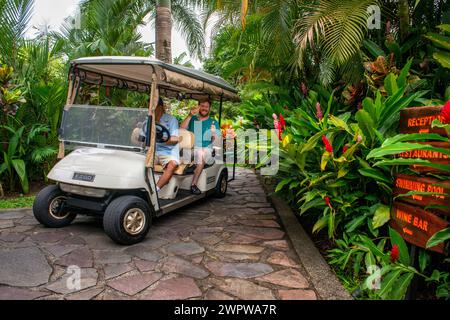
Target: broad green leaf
<point>325,158</point>
<point>331,224</point>
<point>401,147</point>
<point>412,162</point>
<point>396,239</point>
<point>312,142</point>
<point>366,124</point>
<point>439,39</point>
<point>404,74</point>
<point>413,137</point>
<point>320,224</point>
<point>443,58</point>
<point>382,216</point>
<point>424,260</point>
<point>438,238</point>
<point>373,48</point>
<point>339,123</point>
<point>390,84</point>
<point>401,286</point>
<point>14,142</point>
<point>282,184</point>
<point>374,174</point>
<point>355,223</point>
<point>387,284</point>
<point>19,167</point>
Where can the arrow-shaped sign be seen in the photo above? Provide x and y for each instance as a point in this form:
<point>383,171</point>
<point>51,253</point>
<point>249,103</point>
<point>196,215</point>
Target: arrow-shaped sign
<point>407,231</point>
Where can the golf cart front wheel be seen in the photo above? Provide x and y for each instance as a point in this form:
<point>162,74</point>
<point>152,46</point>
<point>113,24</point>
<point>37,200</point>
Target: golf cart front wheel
<point>222,185</point>
<point>50,208</point>
<point>127,220</point>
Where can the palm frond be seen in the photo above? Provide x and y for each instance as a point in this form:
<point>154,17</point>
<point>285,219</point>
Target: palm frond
<point>15,16</point>
<point>336,27</point>
<point>187,22</point>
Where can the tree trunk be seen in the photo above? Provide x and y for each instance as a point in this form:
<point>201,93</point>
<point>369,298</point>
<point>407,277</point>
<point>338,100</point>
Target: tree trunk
<point>403,15</point>
<point>163,30</point>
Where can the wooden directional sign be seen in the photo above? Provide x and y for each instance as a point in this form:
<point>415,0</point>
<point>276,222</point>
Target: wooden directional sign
<point>432,156</point>
<point>416,225</point>
<point>419,120</point>
<point>405,183</point>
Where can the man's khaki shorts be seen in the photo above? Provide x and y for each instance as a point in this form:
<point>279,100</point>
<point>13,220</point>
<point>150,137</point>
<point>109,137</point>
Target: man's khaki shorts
<point>207,152</point>
<point>164,160</point>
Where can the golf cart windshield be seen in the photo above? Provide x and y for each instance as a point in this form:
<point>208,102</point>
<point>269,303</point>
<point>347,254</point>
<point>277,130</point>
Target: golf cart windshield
<point>103,127</point>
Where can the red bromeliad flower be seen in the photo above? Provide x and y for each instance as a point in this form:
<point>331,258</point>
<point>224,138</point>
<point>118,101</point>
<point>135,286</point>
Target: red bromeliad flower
<point>328,202</point>
<point>282,122</point>
<point>345,148</point>
<point>445,113</point>
<point>394,253</point>
<point>327,144</point>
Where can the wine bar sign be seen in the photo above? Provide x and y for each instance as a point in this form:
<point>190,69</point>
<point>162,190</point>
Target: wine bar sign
<point>419,215</point>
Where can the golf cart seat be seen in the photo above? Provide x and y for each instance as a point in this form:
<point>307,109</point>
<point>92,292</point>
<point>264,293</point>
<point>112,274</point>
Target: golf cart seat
<point>186,152</point>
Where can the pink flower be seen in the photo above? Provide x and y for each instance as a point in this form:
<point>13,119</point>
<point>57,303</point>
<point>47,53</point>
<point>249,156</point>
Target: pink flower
<point>304,89</point>
<point>445,113</point>
<point>327,144</point>
<point>319,112</point>
<point>360,139</point>
<point>277,126</point>
<point>394,253</point>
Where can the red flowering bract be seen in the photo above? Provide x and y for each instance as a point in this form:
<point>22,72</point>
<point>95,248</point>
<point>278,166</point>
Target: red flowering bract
<point>345,149</point>
<point>394,253</point>
<point>282,121</point>
<point>445,113</point>
<point>328,202</point>
<point>327,144</point>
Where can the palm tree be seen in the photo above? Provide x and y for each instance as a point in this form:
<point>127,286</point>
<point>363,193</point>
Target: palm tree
<point>163,30</point>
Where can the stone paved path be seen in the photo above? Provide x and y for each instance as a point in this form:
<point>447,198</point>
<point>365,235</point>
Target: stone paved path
<point>232,248</point>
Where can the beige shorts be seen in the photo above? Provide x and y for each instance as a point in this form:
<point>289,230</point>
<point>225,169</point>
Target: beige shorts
<point>207,154</point>
<point>164,160</point>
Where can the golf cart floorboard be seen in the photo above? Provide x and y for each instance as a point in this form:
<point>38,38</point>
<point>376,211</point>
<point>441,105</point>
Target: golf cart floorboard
<point>183,198</point>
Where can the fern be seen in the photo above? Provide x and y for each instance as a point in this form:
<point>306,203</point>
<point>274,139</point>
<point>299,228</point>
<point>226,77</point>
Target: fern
<point>41,154</point>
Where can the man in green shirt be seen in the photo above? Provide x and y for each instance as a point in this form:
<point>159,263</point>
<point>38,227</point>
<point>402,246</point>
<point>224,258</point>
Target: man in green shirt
<point>206,131</point>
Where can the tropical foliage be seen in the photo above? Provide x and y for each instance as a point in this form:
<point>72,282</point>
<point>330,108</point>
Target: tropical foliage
<point>333,74</point>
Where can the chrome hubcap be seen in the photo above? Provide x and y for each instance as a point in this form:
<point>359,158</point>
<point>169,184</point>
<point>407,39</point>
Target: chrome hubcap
<point>223,185</point>
<point>54,208</point>
<point>134,221</point>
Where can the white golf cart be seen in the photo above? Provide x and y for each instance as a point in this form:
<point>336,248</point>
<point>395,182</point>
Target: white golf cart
<point>111,170</point>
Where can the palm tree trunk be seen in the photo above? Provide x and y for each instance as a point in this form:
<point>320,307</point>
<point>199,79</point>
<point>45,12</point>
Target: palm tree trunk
<point>403,15</point>
<point>163,31</point>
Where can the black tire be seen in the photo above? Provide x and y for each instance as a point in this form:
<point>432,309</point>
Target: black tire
<point>116,213</point>
<point>48,208</point>
<point>222,185</point>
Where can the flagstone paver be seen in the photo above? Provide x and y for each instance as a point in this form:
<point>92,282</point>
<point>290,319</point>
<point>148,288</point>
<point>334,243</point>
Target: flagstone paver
<point>216,249</point>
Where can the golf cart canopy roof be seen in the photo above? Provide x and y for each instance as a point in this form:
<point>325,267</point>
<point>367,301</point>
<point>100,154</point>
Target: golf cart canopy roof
<point>135,73</point>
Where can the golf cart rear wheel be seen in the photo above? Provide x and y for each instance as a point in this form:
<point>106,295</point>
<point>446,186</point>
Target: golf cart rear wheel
<point>127,220</point>
<point>49,208</point>
<point>222,185</point>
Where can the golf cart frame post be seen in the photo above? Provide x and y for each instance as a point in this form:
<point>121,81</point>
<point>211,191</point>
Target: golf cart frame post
<point>124,191</point>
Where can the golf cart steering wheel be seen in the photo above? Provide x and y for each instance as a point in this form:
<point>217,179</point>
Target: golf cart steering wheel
<point>162,134</point>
